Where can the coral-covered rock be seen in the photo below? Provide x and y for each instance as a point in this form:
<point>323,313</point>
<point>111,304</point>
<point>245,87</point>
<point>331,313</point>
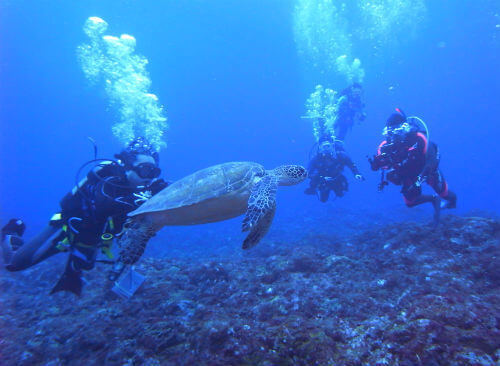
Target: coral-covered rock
<point>400,294</point>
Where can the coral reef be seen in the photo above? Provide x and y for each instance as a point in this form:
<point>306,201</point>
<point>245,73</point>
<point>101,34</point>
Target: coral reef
<point>399,294</point>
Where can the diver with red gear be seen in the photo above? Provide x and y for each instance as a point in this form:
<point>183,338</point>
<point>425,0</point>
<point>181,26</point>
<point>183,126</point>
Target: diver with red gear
<point>407,158</point>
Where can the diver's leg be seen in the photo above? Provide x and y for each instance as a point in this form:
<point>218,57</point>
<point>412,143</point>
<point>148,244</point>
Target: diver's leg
<point>451,199</point>
<point>29,253</point>
<point>413,197</point>
<point>440,186</point>
<point>324,193</point>
<point>424,198</point>
<point>340,185</point>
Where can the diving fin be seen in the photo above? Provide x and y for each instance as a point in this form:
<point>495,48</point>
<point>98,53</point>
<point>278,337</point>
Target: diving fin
<point>70,281</point>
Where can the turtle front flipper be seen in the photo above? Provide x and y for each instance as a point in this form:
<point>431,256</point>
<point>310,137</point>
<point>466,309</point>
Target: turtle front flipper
<point>260,210</point>
<point>260,229</point>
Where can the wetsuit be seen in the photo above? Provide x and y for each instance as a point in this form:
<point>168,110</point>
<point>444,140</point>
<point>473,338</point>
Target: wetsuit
<point>89,219</point>
<point>350,109</point>
<point>325,172</point>
<point>408,163</point>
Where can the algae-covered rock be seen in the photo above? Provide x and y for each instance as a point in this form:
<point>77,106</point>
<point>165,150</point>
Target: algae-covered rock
<point>396,295</point>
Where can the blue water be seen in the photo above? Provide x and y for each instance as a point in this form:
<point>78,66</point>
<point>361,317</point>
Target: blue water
<point>234,88</point>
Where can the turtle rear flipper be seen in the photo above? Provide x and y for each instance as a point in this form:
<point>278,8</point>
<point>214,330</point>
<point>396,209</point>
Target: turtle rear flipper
<point>260,210</point>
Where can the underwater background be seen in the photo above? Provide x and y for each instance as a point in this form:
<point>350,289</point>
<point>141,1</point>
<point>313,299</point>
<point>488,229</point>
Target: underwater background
<point>232,79</point>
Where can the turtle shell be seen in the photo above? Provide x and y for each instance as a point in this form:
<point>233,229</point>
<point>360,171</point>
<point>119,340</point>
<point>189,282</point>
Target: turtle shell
<point>215,181</point>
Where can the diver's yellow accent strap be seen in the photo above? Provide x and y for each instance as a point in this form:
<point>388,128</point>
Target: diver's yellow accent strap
<point>56,220</point>
<point>63,245</point>
<point>107,251</point>
<point>56,217</point>
<point>107,241</point>
<point>68,241</point>
<point>111,223</point>
<point>106,237</point>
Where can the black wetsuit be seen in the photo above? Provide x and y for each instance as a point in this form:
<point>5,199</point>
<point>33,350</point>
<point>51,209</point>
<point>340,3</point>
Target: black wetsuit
<point>325,173</point>
<point>89,218</point>
<point>409,160</point>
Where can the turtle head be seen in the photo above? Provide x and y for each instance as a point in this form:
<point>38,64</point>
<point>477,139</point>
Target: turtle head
<point>290,175</point>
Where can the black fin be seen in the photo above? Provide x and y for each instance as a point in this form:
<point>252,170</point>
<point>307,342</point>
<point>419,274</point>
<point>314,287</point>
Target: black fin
<point>70,281</point>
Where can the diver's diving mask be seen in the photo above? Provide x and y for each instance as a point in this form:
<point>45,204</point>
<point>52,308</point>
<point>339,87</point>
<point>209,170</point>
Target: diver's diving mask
<point>147,170</point>
<point>327,148</point>
<point>398,131</point>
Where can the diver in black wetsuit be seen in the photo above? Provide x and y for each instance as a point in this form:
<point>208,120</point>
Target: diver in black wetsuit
<point>90,217</point>
<point>325,170</point>
<point>407,158</point>
<point>350,110</point>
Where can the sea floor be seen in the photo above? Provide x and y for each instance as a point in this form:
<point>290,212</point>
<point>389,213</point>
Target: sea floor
<point>399,294</point>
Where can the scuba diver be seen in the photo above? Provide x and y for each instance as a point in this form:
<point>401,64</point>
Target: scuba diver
<point>408,158</point>
<point>91,215</point>
<point>350,109</point>
<point>325,169</point>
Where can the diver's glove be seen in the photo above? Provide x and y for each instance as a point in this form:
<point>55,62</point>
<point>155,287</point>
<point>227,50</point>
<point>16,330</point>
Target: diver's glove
<point>157,185</point>
<point>375,162</point>
<point>14,227</point>
<point>382,185</point>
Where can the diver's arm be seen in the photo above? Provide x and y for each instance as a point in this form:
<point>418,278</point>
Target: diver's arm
<point>158,185</point>
<point>431,160</point>
<point>350,164</point>
<point>414,149</point>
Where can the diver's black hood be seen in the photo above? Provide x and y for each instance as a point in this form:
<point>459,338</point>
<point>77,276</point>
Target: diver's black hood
<point>396,119</point>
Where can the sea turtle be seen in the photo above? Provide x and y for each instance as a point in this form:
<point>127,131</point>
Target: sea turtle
<point>213,194</point>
